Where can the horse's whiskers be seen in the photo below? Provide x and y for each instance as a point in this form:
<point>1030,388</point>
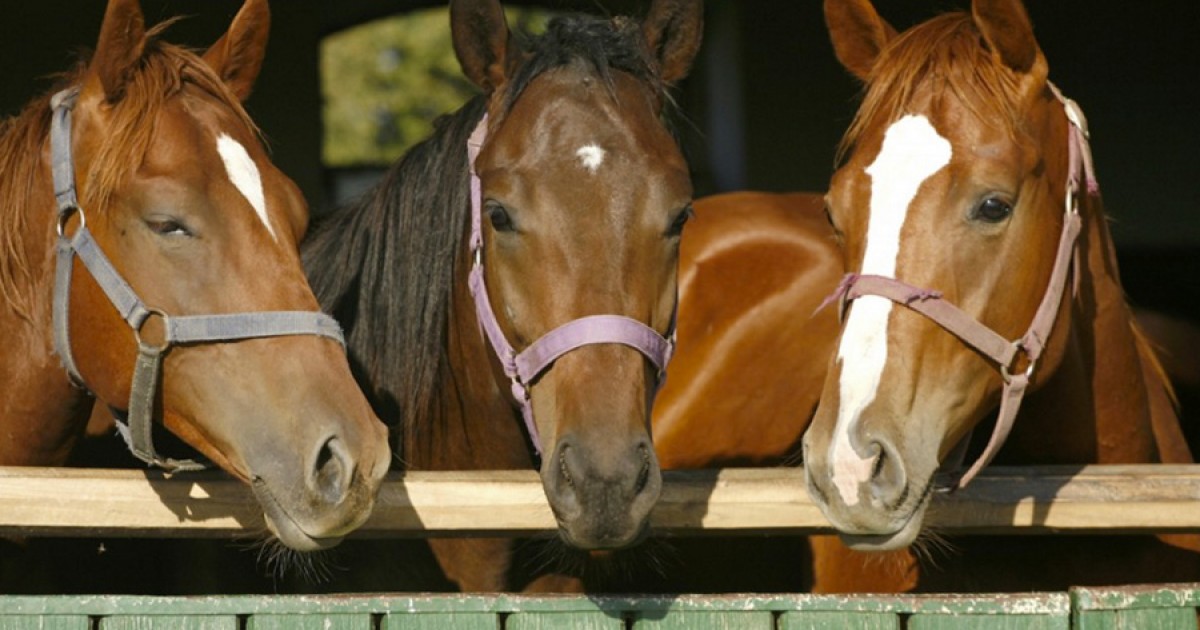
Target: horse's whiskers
<point>929,545</point>
<point>281,562</point>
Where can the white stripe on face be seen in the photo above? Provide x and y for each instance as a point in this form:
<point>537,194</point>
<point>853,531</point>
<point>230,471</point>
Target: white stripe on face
<point>912,152</point>
<point>243,172</point>
<point>591,157</point>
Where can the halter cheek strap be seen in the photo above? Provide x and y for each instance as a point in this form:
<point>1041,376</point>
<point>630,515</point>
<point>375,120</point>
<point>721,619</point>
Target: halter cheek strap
<point>523,367</point>
<point>1003,353</point>
<point>175,330</point>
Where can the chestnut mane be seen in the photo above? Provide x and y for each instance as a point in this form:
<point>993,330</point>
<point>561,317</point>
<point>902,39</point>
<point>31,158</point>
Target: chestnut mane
<point>159,76</point>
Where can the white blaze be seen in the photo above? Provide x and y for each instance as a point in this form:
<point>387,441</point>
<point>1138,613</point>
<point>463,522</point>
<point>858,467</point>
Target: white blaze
<point>591,157</point>
<point>243,172</point>
<point>912,152</point>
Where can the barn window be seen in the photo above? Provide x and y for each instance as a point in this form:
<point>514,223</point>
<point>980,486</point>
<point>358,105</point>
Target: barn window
<point>384,82</point>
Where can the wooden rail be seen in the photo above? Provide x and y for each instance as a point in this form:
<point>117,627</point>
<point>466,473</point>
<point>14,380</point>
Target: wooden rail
<point>89,502</point>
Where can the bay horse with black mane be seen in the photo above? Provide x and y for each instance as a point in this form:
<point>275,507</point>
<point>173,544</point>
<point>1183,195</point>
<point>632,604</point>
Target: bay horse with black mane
<point>149,261</point>
<point>508,289</point>
<point>966,195</point>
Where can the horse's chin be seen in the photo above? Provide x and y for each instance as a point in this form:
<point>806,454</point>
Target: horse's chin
<point>288,533</point>
<point>899,539</point>
<point>607,542</point>
<point>285,528</point>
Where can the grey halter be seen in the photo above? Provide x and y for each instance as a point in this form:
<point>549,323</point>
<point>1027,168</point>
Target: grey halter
<point>179,330</point>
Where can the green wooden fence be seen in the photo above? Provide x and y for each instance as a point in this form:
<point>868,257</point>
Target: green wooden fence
<point>1140,608</point>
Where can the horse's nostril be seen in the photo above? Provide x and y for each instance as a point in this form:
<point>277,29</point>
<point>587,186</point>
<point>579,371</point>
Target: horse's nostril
<point>324,455</point>
<point>880,460</point>
<point>332,471</point>
<point>644,474</point>
<point>564,468</point>
<point>888,483</point>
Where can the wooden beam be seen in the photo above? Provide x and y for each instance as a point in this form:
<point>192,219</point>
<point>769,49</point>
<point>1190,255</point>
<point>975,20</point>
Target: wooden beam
<point>89,502</point>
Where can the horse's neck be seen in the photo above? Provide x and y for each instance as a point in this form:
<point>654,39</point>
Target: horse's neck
<point>42,416</point>
<point>41,413</point>
<point>472,423</point>
<point>1094,408</point>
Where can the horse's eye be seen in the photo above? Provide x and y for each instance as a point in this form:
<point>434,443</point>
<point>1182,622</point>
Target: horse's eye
<point>838,235</point>
<point>681,218</point>
<point>992,210</point>
<point>829,217</point>
<point>167,227</point>
<point>498,216</point>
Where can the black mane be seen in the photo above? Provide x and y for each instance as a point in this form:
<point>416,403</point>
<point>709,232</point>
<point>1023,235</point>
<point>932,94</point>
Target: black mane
<point>602,45</point>
<point>384,265</point>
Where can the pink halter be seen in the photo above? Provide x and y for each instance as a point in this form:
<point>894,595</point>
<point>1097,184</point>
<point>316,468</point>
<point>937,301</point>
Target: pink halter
<point>1001,351</point>
<point>525,366</point>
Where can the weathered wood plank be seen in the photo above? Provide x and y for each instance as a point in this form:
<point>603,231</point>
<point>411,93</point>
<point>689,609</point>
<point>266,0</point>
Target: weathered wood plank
<point>987,622</point>
<point>1157,618</point>
<point>44,622</point>
<point>838,620</point>
<point>440,621</point>
<point>564,621</point>
<point>1140,596</point>
<point>308,621</point>
<point>71,502</point>
<point>169,622</point>
<point>1143,606</point>
<point>470,612</point>
<point>1096,620</point>
<point>705,620</point>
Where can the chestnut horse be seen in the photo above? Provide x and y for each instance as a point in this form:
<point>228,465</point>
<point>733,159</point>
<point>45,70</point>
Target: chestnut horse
<point>176,235</point>
<point>997,193</point>
<point>753,270</point>
<point>567,204</point>
<point>971,217</point>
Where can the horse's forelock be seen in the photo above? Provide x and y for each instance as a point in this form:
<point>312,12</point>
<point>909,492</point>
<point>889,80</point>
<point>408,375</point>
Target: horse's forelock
<point>600,45</point>
<point>162,74</point>
<point>947,49</point>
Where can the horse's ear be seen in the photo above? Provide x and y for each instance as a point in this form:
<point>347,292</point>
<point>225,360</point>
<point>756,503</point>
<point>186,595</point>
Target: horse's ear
<point>119,49</point>
<point>858,34</point>
<point>238,56</point>
<point>673,30</point>
<point>1006,28</point>
<point>481,41</point>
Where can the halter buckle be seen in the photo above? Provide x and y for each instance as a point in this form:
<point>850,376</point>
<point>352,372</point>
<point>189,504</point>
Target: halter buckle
<point>1019,351</point>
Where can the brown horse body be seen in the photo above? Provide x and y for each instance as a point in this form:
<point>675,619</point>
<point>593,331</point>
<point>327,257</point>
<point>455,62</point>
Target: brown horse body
<point>158,135</point>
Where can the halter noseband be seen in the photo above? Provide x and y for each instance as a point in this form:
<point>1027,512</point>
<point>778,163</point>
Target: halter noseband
<point>1004,353</point>
<point>523,367</point>
<point>176,330</point>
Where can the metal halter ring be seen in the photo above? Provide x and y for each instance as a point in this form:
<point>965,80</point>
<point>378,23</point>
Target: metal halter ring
<point>166,334</point>
<point>64,215</point>
<point>1005,370</point>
